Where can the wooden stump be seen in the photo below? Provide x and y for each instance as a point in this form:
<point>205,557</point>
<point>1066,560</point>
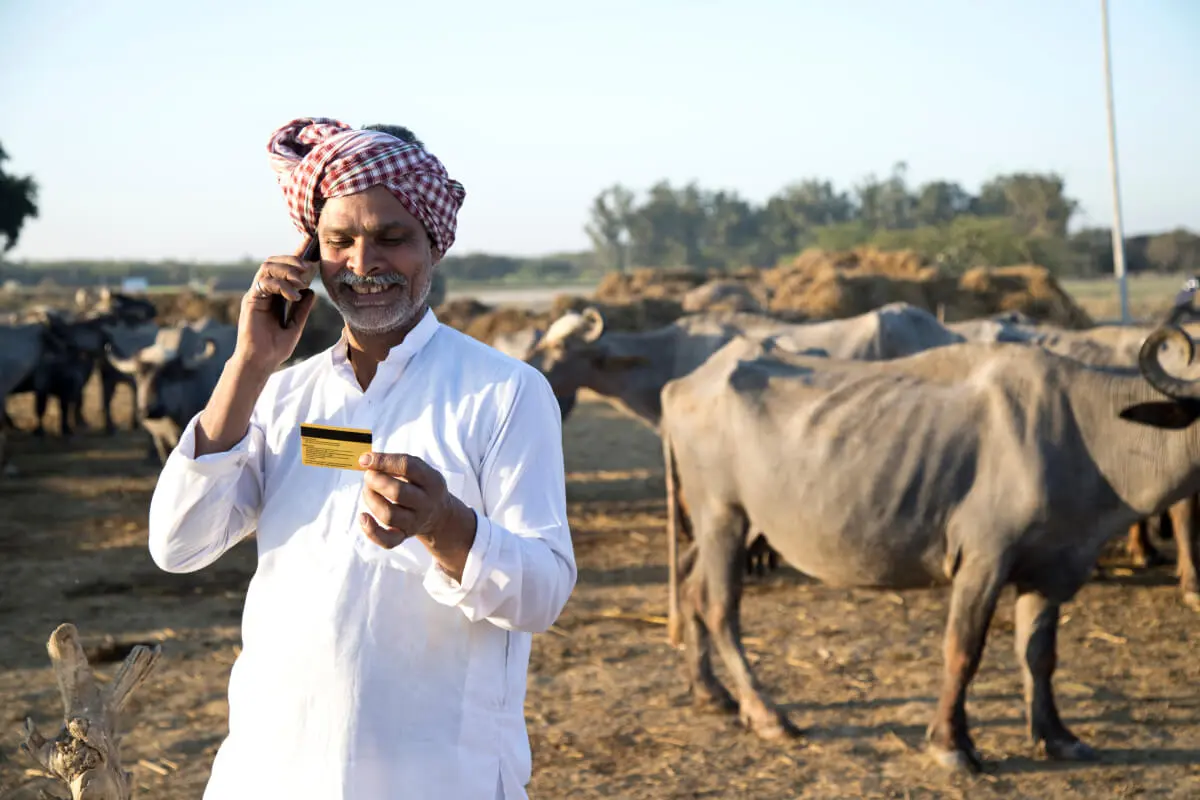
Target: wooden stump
<point>86,752</point>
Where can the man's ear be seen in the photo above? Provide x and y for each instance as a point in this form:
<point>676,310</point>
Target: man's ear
<point>1171,415</point>
<point>620,363</point>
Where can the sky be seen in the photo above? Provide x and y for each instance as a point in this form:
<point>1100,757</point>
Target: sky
<point>145,123</point>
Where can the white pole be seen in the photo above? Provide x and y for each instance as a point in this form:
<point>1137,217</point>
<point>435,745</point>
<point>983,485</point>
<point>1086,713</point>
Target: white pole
<point>1118,236</point>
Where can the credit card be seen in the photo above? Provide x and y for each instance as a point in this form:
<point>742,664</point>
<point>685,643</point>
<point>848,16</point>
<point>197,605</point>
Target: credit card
<point>336,448</point>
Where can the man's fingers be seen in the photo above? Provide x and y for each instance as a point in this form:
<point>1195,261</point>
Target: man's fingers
<point>269,284</point>
<point>394,490</point>
<point>300,275</point>
<point>402,465</point>
<point>387,514</point>
<point>379,534</point>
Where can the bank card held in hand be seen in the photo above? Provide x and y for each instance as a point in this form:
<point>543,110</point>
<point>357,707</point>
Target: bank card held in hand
<point>337,448</point>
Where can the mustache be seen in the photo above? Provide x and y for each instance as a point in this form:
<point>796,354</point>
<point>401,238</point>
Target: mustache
<point>348,278</point>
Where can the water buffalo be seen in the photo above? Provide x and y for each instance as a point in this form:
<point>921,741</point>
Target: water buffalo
<point>977,466</point>
<point>176,376</point>
<point>630,369</point>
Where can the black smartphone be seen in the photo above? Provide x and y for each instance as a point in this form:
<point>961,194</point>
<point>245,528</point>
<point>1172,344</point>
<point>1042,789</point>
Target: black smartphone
<point>285,309</point>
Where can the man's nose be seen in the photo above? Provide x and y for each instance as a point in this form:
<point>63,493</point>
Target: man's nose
<point>365,258</point>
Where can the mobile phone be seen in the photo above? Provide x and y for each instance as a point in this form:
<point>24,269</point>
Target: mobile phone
<point>285,309</point>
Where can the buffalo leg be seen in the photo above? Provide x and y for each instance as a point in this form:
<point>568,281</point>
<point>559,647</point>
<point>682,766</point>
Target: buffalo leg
<point>1037,652</point>
<point>973,597</point>
<point>41,400</point>
<point>1141,550</point>
<point>721,559</point>
<point>708,694</point>
<point>1185,516</point>
<point>66,411</point>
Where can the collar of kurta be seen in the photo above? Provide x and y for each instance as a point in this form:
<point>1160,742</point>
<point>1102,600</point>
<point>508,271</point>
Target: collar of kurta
<point>398,357</point>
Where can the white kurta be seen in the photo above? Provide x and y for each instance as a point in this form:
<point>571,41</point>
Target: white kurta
<point>366,672</point>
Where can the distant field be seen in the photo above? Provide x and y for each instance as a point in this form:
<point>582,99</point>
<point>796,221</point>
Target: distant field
<point>1149,295</point>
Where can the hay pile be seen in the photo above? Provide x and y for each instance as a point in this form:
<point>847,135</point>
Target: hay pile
<point>726,295</point>
<point>821,284</point>
<point>641,314</point>
<point>670,283</point>
<point>1027,289</point>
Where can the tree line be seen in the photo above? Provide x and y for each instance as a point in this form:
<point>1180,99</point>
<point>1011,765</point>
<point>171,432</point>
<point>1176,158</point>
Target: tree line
<point>1013,219</point>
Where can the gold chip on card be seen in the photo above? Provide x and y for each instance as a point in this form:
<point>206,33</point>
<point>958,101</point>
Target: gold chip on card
<point>336,448</point>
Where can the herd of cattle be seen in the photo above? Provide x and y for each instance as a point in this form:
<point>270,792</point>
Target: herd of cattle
<point>891,450</point>
<point>884,450</point>
<point>170,369</point>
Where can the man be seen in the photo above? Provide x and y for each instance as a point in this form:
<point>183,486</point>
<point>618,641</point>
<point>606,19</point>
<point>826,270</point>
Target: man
<point>387,629</point>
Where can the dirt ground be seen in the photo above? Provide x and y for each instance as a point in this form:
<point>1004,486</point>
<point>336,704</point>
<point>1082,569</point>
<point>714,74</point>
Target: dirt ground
<point>607,710</point>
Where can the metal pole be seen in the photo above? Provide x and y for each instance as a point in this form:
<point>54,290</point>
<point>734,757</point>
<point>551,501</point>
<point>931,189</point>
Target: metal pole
<point>1118,236</point>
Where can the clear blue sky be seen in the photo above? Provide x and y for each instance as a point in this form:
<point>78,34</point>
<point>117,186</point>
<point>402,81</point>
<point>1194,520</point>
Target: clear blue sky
<point>146,122</point>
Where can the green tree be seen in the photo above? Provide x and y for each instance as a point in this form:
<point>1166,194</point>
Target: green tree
<point>608,227</point>
<point>886,205</point>
<point>1036,203</point>
<point>18,202</point>
<point>1174,251</point>
<point>939,202</point>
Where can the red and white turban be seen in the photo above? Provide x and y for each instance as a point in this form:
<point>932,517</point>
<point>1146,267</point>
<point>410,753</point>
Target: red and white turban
<point>316,158</point>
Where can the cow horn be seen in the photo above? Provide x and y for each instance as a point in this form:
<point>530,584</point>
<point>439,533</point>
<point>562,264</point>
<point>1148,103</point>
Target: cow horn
<point>1152,369</point>
<point>128,366</point>
<point>594,324</point>
<point>207,352</point>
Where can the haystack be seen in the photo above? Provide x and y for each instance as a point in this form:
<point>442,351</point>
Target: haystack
<point>507,319</point>
<point>459,313</point>
<point>641,314</point>
<point>1028,289</point>
<point>671,283</point>
<point>829,285</point>
<point>726,295</point>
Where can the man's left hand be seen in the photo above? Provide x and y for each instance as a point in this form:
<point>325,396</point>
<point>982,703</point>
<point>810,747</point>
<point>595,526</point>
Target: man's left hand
<point>407,497</point>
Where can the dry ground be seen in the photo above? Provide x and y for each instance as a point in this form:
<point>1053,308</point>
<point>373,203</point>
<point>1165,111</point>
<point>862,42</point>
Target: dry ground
<point>606,709</point>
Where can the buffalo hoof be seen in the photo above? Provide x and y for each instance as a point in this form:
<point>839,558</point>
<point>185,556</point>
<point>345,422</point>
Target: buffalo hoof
<point>963,762</point>
<point>1069,750</point>
<point>771,725</point>
<point>1149,559</point>
<point>1192,600</point>
<point>713,700</point>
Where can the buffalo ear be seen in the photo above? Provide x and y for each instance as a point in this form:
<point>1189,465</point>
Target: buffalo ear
<point>1171,415</point>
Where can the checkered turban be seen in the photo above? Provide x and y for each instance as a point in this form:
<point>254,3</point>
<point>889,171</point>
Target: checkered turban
<point>316,158</point>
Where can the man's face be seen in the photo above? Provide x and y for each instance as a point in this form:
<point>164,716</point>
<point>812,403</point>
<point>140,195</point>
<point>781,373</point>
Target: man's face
<point>376,260</point>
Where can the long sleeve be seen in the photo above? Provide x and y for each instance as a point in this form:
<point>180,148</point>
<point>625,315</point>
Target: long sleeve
<point>521,568</point>
<point>203,506</point>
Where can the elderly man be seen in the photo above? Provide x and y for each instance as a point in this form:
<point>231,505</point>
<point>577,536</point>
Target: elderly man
<point>387,629</point>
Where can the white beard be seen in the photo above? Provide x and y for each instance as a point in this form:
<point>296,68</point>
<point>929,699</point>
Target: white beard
<point>381,319</point>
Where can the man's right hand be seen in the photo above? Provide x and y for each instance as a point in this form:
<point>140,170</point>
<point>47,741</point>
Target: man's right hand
<point>261,341</point>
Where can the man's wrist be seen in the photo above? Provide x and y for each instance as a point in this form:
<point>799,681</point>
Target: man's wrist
<point>451,543</point>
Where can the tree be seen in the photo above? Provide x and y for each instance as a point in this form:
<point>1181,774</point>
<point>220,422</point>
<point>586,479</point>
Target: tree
<point>939,202</point>
<point>609,226</point>
<point>1036,203</point>
<point>886,205</point>
<point>1174,251</point>
<point>18,202</point>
